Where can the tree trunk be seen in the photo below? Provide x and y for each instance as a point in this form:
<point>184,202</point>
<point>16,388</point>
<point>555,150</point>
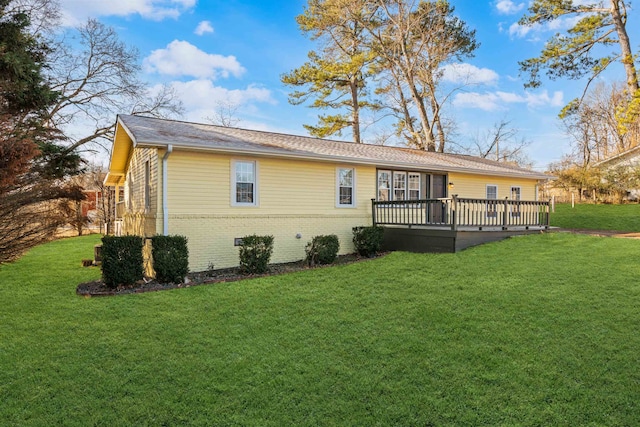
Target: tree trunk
<point>625,47</point>
<point>428,144</point>
<point>355,114</point>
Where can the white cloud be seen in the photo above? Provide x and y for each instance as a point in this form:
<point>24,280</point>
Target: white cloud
<point>202,94</point>
<point>493,101</point>
<point>482,101</point>
<point>203,27</point>
<point>77,11</point>
<point>181,58</point>
<point>468,74</point>
<point>518,30</point>
<point>508,7</point>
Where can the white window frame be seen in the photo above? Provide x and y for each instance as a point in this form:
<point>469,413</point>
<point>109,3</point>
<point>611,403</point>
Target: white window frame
<point>393,185</point>
<point>128,195</point>
<point>492,209</point>
<point>515,209</point>
<point>513,187</point>
<point>409,189</point>
<point>389,183</point>
<point>147,185</point>
<point>487,192</point>
<point>353,188</point>
<point>234,182</point>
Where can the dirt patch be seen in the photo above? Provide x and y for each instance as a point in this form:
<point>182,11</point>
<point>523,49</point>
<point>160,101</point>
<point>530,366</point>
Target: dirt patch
<point>602,233</point>
<point>98,288</point>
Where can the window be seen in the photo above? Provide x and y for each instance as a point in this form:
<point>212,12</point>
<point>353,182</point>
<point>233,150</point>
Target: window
<point>345,187</point>
<point>384,185</point>
<point>515,195</point>
<point>414,186</point>
<point>399,185</point>
<point>147,185</point>
<point>244,184</point>
<point>129,191</point>
<point>492,193</point>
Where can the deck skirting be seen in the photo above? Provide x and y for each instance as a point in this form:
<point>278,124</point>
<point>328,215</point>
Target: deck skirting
<point>432,239</point>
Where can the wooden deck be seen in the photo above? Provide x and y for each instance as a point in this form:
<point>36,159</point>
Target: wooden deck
<point>453,224</point>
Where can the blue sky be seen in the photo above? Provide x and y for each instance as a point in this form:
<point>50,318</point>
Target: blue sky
<point>234,51</point>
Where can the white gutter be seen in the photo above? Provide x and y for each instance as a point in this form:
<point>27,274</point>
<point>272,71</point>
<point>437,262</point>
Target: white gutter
<point>165,204</point>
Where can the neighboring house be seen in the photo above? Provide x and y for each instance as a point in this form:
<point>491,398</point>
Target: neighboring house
<point>627,159</point>
<point>216,184</point>
<point>89,205</point>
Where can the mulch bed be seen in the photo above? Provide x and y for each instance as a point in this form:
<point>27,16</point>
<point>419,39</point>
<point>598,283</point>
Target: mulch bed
<point>98,288</point>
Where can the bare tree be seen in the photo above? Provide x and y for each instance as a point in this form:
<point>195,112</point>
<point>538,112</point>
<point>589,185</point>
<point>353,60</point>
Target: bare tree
<point>594,126</point>
<point>224,114</point>
<point>98,80</point>
<point>503,144</point>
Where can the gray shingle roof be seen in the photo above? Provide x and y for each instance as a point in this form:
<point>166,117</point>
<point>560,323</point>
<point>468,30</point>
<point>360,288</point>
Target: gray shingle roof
<point>147,131</point>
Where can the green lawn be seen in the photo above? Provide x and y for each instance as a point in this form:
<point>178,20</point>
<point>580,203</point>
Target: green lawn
<point>597,217</point>
<point>536,330</point>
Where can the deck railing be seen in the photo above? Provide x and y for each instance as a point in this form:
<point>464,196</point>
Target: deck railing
<point>458,212</point>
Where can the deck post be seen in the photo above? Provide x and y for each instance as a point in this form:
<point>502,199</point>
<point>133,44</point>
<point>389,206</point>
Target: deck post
<point>454,208</point>
<point>373,212</point>
<point>505,214</point>
<point>548,219</point>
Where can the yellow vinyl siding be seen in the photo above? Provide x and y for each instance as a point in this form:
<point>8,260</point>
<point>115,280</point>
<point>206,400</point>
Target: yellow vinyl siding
<point>293,196</point>
<point>475,186</point>
<point>138,219</point>
<point>200,183</point>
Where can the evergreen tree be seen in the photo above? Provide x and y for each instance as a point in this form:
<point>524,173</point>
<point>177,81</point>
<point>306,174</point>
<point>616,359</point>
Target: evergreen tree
<point>32,162</point>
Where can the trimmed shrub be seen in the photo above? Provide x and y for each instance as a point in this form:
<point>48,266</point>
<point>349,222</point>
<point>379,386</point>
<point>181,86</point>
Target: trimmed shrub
<point>322,249</point>
<point>170,258</point>
<point>122,262</point>
<point>255,253</point>
<point>368,240</point>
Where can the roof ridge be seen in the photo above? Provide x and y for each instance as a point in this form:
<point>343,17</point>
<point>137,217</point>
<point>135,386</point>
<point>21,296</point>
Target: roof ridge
<point>242,129</point>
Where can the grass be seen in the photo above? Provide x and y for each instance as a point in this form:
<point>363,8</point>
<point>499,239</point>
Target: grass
<point>597,217</point>
<point>527,331</point>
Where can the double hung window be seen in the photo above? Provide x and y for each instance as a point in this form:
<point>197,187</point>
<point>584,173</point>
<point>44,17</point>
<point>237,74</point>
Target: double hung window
<point>492,193</point>
<point>345,191</point>
<point>414,186</point>
<point>384,186</point>
<point>515,196</point>
<point>399,186</point>
<point>244,186</point>
<point>147,185</point>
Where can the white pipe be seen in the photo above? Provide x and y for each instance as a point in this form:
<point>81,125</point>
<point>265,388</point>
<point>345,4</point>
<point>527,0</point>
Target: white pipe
<point>165,197</point>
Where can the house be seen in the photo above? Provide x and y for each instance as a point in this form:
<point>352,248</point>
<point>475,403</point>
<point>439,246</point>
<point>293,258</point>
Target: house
<point>625,161</point>
<point>216,184</point>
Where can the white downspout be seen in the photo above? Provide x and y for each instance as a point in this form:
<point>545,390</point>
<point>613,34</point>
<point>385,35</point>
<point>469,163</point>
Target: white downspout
<point>165,197</point>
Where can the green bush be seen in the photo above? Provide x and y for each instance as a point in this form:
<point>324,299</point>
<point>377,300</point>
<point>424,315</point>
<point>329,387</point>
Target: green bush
<point>122,262</point>
<point>322,249</point>
<point>170,258</point>
<point>255,253</point>
<point>368,240</point>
